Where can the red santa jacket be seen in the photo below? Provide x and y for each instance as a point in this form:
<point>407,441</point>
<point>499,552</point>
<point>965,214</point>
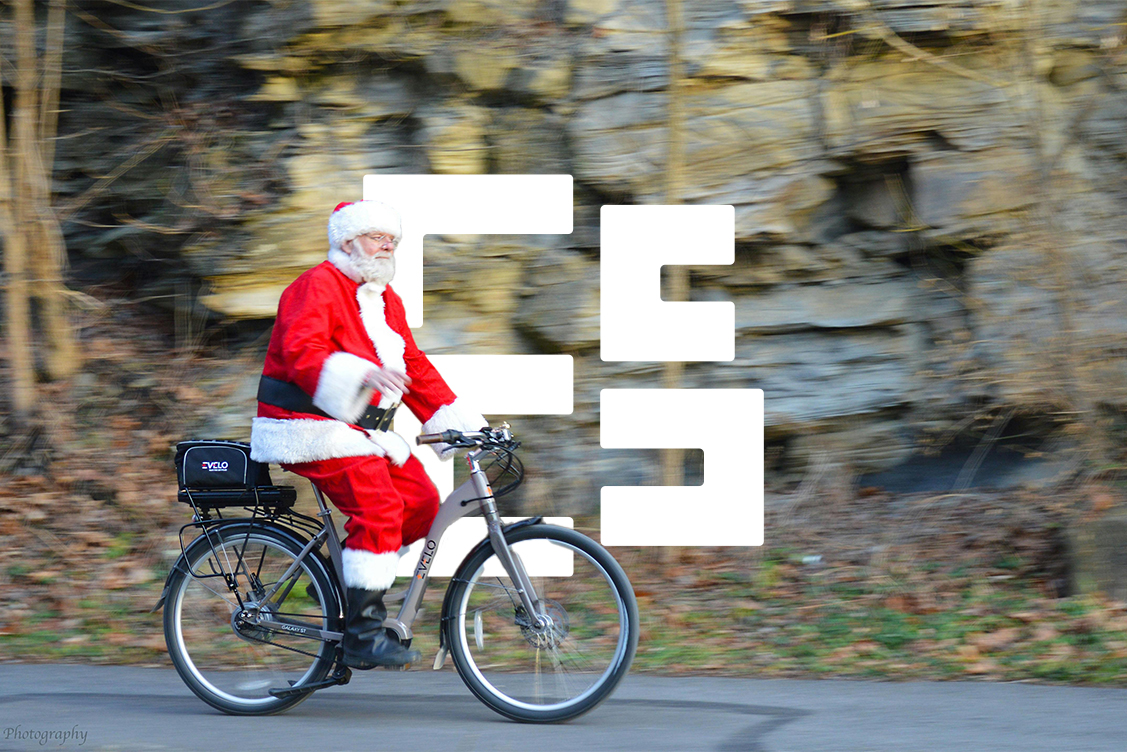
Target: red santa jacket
<point>329,333</point>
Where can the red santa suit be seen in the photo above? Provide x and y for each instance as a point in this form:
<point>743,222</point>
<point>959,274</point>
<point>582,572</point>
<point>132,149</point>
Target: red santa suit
<point>332,329</point>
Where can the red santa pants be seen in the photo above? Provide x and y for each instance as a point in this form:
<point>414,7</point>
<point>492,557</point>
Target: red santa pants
<point>387,506</point>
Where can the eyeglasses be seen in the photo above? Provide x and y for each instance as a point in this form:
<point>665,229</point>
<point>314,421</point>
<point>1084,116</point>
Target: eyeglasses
<point>380,239</point>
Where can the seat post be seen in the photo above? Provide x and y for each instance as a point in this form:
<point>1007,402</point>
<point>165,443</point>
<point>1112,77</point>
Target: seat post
<point>326,516</point>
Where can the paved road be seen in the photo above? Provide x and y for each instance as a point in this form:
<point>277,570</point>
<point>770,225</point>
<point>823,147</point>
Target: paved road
<point>150,710</point>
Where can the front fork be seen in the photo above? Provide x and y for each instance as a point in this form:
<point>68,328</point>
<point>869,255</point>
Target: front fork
<point>509,559</point>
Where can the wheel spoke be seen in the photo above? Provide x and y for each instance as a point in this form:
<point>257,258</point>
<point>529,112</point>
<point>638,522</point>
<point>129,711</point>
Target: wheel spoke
<point>563,667</point>
<point>223,594</point>
<point>215,644</point>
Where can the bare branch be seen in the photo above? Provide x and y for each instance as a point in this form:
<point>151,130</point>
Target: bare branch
<point>894,40</point>
<point>52,76</point>
<point>68,209</point>
<point>159,11</point>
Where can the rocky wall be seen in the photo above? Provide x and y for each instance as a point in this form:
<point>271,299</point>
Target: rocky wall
<point>928,194</point>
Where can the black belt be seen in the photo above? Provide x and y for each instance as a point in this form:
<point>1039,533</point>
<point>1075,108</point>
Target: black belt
<point>289,396</point>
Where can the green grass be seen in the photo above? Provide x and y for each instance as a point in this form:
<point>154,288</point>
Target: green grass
<point>795,622</point>
<point>121,545</point>
<point>773,619</point>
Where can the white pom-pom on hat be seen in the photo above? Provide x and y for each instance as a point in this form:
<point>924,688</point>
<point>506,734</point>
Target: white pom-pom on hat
<point>351,219</point>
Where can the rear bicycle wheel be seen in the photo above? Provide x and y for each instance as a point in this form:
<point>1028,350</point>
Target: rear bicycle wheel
<point>224,657</point>
<point>567,666</point>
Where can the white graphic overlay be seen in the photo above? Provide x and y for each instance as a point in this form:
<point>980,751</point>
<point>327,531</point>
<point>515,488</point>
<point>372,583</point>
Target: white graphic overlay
<point>540,558</point>
<point>727,509</point>
<point>636,241</point>
<point>466,205</point>
<point>497,385</point>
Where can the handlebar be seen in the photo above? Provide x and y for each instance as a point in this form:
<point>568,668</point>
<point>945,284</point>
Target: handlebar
<point>446,437</point>
<point>499,437</point>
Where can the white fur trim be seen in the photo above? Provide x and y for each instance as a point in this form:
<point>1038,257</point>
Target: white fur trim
<point>389,345</point>
<point>340,387</point>
<point>395,447</point>
<point>343,262</point>
<point>457,416</point>
<point>364,569</point>
<point>360,218</point>
<point>306,440</point>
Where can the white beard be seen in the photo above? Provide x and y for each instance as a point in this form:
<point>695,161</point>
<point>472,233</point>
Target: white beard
<point>373,268</point>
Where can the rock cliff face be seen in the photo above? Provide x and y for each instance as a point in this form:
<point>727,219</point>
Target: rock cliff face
<point>929,193</point>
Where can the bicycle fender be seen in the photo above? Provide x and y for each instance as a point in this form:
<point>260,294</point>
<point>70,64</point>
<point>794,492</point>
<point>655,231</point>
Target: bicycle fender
<point>181,561</point>
<point>485,543</point>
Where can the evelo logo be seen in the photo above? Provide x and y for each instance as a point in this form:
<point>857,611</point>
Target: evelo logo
<point>215,467</point>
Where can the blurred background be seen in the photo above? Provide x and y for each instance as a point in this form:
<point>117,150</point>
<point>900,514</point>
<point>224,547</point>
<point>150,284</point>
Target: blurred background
<point>931,254</point>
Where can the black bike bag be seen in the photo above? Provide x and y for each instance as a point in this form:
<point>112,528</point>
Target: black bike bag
<point>214,463</point>
<point>215,473</point>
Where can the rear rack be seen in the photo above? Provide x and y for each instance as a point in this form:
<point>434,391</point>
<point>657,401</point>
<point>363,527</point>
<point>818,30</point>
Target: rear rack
<point>272,504</point>
<point>279,498</point>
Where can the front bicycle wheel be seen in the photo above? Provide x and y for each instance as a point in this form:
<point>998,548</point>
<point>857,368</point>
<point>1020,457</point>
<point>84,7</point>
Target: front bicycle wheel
<point>215,637</point>
<point>579,653</point>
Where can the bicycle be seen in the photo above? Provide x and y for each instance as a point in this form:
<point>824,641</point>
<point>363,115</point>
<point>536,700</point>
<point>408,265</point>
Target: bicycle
<point>254,607</point>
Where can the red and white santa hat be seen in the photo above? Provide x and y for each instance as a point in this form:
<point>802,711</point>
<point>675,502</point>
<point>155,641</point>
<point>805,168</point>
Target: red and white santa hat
<point>353,218</point>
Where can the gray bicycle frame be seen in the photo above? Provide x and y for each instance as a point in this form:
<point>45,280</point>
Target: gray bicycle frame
<point>460,503</point>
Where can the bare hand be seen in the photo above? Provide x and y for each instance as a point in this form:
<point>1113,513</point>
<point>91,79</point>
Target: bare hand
<point>388,382</point>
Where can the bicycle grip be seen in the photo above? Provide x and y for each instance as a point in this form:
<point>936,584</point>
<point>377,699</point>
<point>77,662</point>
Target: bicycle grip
<point>446,437</point>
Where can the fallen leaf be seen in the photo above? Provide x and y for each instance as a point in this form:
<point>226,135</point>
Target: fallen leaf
<point>984,666</point>
<point>997,640</point>
<point>1044,633</point>
<point>1102,500</point>
<point>967,652</point>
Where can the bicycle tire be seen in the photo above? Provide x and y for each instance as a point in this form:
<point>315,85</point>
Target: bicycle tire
<point>234,672</point>
<point>566,670</point>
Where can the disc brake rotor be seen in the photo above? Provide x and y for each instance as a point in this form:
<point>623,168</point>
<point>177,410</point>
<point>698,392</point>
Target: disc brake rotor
<point>554,631</point>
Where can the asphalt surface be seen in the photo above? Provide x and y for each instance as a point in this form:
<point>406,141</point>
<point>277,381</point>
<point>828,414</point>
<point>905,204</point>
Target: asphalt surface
<point>150,710</point>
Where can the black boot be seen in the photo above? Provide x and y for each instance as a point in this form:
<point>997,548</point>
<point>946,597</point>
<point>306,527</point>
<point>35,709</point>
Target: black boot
<point>367,643</point>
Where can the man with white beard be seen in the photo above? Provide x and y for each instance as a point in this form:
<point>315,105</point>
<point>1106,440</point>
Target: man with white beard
<point>340,361</point>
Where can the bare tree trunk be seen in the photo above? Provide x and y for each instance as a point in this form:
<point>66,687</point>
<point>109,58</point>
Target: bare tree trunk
<point>18,324</point>
<point>52,79</point>
<point>17,319</point>
<point>673,459</point>
<point>16,216</point>
<point>63,358</point>
<point>49,257</point>
<point>1068,361</point>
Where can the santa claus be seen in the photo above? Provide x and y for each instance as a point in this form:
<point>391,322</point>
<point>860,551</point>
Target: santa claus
<point>340,360</point>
